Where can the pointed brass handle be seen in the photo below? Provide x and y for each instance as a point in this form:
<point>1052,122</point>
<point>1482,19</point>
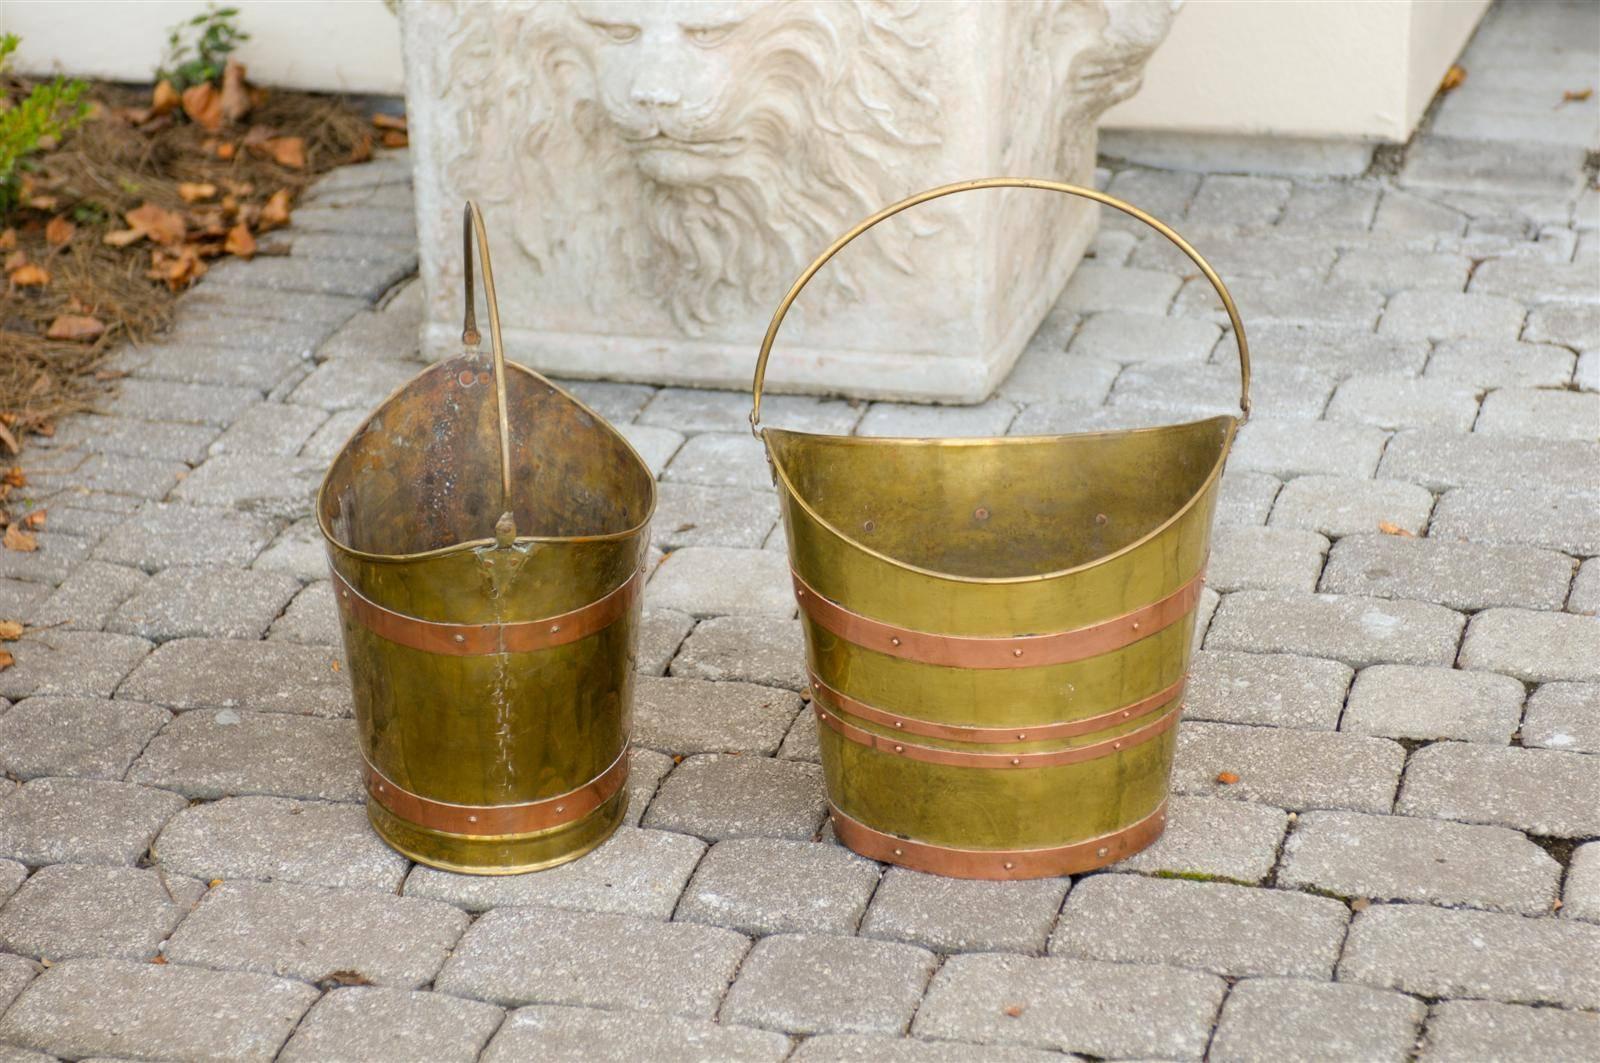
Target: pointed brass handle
<point>1002,182</point>
<point>472,223</point>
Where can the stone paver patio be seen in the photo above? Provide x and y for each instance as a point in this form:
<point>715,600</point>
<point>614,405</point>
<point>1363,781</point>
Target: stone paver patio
<point>1401,666</point>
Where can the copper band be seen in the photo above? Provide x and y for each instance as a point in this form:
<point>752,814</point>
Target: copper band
<point>1049,758</point>
<point>1025,651</point>
<point>477,640</point>
<point>1021,733</point>
<point>494,820</point>
<point>1000,863</point>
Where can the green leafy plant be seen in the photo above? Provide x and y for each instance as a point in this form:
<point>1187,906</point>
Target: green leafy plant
<point>49,111</point>
<point>198,48</point>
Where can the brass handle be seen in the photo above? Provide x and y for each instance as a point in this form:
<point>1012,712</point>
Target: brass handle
<point>472,223</point>
<point>1002,182</point>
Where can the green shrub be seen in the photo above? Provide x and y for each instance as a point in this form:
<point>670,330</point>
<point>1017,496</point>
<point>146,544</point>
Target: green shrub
<point>198,48</point>
<point>49,111</point>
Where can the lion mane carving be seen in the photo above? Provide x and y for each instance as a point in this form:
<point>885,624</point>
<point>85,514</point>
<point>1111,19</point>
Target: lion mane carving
<point>704,151</point>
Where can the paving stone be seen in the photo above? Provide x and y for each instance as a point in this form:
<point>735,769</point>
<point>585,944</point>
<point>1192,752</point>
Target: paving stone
<point>166,400</point>
<point>68,910</point>
<point>1469,1031</point>
<point>879,1048</point>
<point>1339,350</point>
<point>693,410</point>
<point>990,418</point>
<point>326,442</point>
<point>15,974</point>
<point>1540,791</point>
<point>87,598</point>
<point>1401,215</point>
<point>1338,506</point>
<point>1586,373</point>
<point>1231,930</point>
<point>657,446</point>
<point>298,550</point>
<point>1465,576</point>
<point>351,384</point>
<point>1204,610</point>
<point>236,674</point>
<point>1435,315</point>
<point>1164,193</point>
<point>1287,449</point>
<point>1106,1010</point>
<point>1546,413</point>
<point>694,716</point>
<point>12,875</point>
<point>1436,952</point>
<point>1094,288</point>
<point>1525,168</point>
<point>952,915</point>
<point>1214,840</point>
<point>1118,336</point>
<point>1275,690</point>
<point>1534,646</point>
<point>1192,391</point>
<point>584,1035</point>
<point>1245,498</point>
<point>717,796</point>
<point>1501,363</point>
<point>19,598</point>
<point>1360,631</point>
<point>274,839</point>
<point>1569,324</point>
<point>801,741</point>
<point>310,932</point>
<point>772,886</point>
<point>1284,299</point>
<point>1534,280</point>
<point>1581,899</point>
<point>119,1008</point>
<point>748,649</point>
<point>646,769</point>
<point>636,872</point>
<point>86,821</point>
<point>229,753</point>
<point>1281,559</point>
<point>312,618</point>
<point>538,955</point>
<point>1390,272</point>
<point>1401,858</point>
<point>90,738</point>
<point>86,664</point>
<point>1405,402</point>
<point>191,355</point>
<point>1290,769</point>
<point>1060,376</point>
<point>1289,1019</point>
<point>1239,200</point>
<point>277,428</point>
<point>1585,594</point>
<point>617,403</point>
<point>1557,519</point>
<point>190,601</point>
<point>1321,205</point>
<point>366,1022</point>
<point>52,561</point>
<point>268,486</point>
<point>135,438</point>
<point>811,983</point>
<point>719,581</point>
<point>718,459</point>
<point>693,515</point>
<point>661,632</point>
<point>1403,701</point>
<point>373,335</point>
<point>1563,716</point>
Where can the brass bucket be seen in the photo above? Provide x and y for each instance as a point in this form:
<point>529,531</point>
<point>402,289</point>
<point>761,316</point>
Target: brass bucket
<point>998,630</point>
<point>488,582</point>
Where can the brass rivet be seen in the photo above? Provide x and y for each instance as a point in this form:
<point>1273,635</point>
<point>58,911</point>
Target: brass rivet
<point>554,628</point>
<point>897,723</point>
<point>899,749</point>
<point>1136,625</point>
<point>868,526</point>
<point>799,593</point>
<point>894,642</point>
<point>899,852</point>
<point>982,513</point>
<point>461,638</point>
<point>345,593</point>
<point>1022,737</point>
<point>1116,745</point>
<point>380,788</point>
<point>472,819</point>
<point>1009,865</point>
<point>1125,714</point>
<point>561,808</point>
<point>1101,851</point>
<point>1016,760</point>
<point>1016,653</point>
<point>1099,518</point>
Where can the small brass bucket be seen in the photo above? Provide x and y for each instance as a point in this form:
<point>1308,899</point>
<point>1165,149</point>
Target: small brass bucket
<point>488,581</point>
<point>998,630</point>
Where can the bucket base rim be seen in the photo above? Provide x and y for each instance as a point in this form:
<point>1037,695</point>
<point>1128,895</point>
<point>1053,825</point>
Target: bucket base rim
<point>567,857</point>
<point>999,864</point>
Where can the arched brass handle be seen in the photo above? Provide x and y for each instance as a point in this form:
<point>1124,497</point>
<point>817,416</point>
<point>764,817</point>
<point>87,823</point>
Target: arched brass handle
<point>472,224</point>
<point>1001,182</point>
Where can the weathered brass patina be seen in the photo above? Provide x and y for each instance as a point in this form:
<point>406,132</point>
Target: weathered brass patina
<point>487,533</point>
<point>998,630</point>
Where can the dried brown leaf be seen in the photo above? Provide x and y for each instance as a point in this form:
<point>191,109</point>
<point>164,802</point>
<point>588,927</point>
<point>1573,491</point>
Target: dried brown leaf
<point>227,150</point>
<point>203,104</point>
<point>195,191</point>
<point>162,226</point>
<point>240,242</point>
<point>8,240</point>
<point>393,138</point>
<point>19,540</point>
<point>14,477</point>
<point>1012,1011</point>
<point>1227,778</point>
<point>122,237</point>
<point>389,121</point>
<point>163,98</point>
<point>35,520</point>
<point>29,276</point>
<point>59,231</point>
<point>1576,95</point>
<point>77,327</point>
<point>1452,78</point>
<point>10,630</point>
<point>288,151</point>
<point>1390,528</point>
<point>275,212</point>
<point>6,660</point>
<point>236,102</point>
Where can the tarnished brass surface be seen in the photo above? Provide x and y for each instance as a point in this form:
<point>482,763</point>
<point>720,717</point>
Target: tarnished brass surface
<point>999,629</point>
<point>477,511</point>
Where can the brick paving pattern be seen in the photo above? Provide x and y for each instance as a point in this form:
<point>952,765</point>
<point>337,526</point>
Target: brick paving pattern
<point>1402,667</point>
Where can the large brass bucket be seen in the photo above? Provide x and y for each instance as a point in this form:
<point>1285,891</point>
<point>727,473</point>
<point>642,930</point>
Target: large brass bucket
<point>486,533</point>
<point>998,630</point>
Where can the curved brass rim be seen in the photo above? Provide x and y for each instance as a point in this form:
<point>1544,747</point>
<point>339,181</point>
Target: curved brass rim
<point>998,864</point>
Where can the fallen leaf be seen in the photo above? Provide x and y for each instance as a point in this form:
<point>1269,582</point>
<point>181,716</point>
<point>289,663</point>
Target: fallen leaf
<point>1013,1011</point>
<point>1576,95</point>
<point>8,240</point>
<point>288,151</point>
<point>163,98</point>
<point>42,202</point>
<point>362,151</point>
<point>1390,528</point>
<point>341,978</point>
<point>35,520</point>
<point>122,237</point>
<point>6,660</point>
<point>1360,904</point>
<point>10,630</point>
<point>178,270</point>
<point>1453,78</point>
<point>393,138</point>
<point>59,231</point>
<point>226,150</point>
<point>158,960</point>
<point>1555,905</point>
<point>203,104</point>
<point>29,276</point>
<point>276,210</point>
<point>162,226</point>
<point>14,477</point>
<point>195,191</point>
<point>10,442</point>
<point>389,121</point>
<point>1227,778</point>
<point>240,242</point>
<point>16,260</point>
<point>235,94</point>
<point>78,327</point>
<point>19,540</point>
<point>214,883</point>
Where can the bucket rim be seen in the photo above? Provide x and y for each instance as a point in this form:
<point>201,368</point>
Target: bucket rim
<point>1229,420</point>
<point>467,545</point>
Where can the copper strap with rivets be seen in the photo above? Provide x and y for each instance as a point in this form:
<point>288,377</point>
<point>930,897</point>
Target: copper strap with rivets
<point>1017,733</point>
<point>977,651</point>
<point>477,640</point>
<point>471,820</point>
<point>999,863</point>
<point>1048,758</point>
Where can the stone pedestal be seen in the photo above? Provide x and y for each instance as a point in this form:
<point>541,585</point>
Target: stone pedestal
<point>655,175</point>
